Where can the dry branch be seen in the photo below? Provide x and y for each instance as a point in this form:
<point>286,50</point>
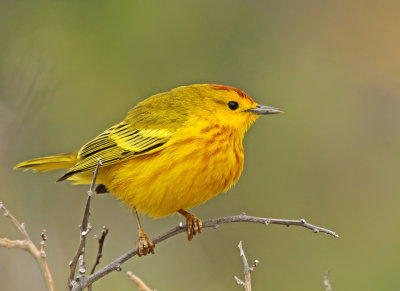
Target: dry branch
<point>29,246</point>
<point>247,270</point>
<point>213,223</point>
<point>139,282</point>
<point>327,282</point>
<point>85,228</point>
<point>100,240</point>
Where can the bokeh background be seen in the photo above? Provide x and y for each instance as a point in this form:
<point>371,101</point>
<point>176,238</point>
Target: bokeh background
<point>70,69</point>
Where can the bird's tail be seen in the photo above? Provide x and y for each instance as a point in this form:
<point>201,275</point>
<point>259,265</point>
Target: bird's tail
<point>44,164</point>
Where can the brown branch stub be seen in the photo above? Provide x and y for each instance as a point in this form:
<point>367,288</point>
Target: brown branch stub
<point>212,223</point>
<point>246,284</point>
<point>85,228</point>
<point>43,244</point>
<point>327,283</point>
<point>29,246</point>
<point>139,282</point>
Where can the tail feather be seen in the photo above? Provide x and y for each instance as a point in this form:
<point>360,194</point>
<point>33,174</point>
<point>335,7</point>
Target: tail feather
<point>67,175</point>
<point>44,164</point>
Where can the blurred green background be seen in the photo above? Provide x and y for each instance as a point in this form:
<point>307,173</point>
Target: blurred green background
<point>70,69</point>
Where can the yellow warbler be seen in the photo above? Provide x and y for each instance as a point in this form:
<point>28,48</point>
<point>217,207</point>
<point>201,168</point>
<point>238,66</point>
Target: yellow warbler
<point>173,151</point>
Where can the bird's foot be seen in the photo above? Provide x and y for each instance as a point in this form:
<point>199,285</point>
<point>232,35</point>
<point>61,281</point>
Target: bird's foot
<point>146,245</point>
<point>194,224</point>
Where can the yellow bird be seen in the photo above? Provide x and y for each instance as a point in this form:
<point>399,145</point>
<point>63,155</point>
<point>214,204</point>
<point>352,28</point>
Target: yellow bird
<point>173,151</point>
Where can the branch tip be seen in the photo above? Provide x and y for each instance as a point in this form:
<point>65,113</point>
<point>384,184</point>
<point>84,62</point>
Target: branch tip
<point>138,282</point>
<point>327,283</point>
<point>255,264</point>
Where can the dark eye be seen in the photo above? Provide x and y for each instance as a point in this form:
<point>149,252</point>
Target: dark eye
<point>233,105</point>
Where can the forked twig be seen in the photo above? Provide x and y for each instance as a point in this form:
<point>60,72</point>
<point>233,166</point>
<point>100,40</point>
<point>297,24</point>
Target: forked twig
<point>247,270</point>
<point>29,246</point>
<point>85,228</point>
<point>213,223</point>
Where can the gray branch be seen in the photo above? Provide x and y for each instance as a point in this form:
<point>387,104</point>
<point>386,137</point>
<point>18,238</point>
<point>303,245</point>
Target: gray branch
<point>246,284</point>
<point>85,228</point>
<point>213,223</point>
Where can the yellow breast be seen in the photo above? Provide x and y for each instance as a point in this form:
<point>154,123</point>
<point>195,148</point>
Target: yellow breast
<point>187,173</point>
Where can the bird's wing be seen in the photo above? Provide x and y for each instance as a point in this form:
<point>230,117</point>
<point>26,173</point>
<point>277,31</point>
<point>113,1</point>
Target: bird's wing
<point>118,143</point>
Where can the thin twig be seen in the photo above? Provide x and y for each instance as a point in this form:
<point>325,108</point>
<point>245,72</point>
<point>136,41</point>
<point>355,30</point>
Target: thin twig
<point>104,233</point>
<point>85,228</point>
<point>247,270</point>
<point>29,246</point>
<point>43,259</point>
<point>100,240</point>
<point>327,282</point>
<point>213,223</point>
<point>239,281</point>
<point>139,282</point>
<point>19,225</point>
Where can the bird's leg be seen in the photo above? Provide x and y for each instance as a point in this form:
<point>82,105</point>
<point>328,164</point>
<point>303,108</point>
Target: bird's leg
<point>146,245</point>
<point>194,224</point>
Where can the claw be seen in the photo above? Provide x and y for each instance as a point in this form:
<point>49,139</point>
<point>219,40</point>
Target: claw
<point>146,245</point>
<point>194,224</point>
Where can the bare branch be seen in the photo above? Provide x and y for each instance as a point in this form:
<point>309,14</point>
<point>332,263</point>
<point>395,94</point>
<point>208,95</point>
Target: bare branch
<point>29,246</point>
<point>85,228</point>
<point>243,255</point>
<point>45,265</point>
<point>327,282</point>
<point>247,270</point>
<point>104,233</point>
<point>213,223</point>
<point>20,244</point>
<point>100,240</point>
<point>19,225</point>
<point>139,282</point>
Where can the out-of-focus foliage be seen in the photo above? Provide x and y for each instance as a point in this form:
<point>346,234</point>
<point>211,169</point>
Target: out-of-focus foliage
<point>69,69</point>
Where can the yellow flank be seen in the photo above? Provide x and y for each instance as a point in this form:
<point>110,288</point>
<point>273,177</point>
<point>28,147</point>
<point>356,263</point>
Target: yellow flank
<point>174,150</point>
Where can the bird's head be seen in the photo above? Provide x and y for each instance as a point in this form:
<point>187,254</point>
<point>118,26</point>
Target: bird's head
<point>225,105</point>
<point>199,105</point>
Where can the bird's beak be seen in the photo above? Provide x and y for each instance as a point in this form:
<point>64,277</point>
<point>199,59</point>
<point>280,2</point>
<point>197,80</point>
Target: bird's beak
<point>261,109</point>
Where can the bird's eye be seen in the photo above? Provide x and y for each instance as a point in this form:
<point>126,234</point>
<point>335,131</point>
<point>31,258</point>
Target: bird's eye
<point>233,105</point>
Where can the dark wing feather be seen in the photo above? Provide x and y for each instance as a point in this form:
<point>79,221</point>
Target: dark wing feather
<point>117,143</point>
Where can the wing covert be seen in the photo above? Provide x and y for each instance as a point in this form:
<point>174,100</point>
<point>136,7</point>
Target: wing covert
<point>117,143</point>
